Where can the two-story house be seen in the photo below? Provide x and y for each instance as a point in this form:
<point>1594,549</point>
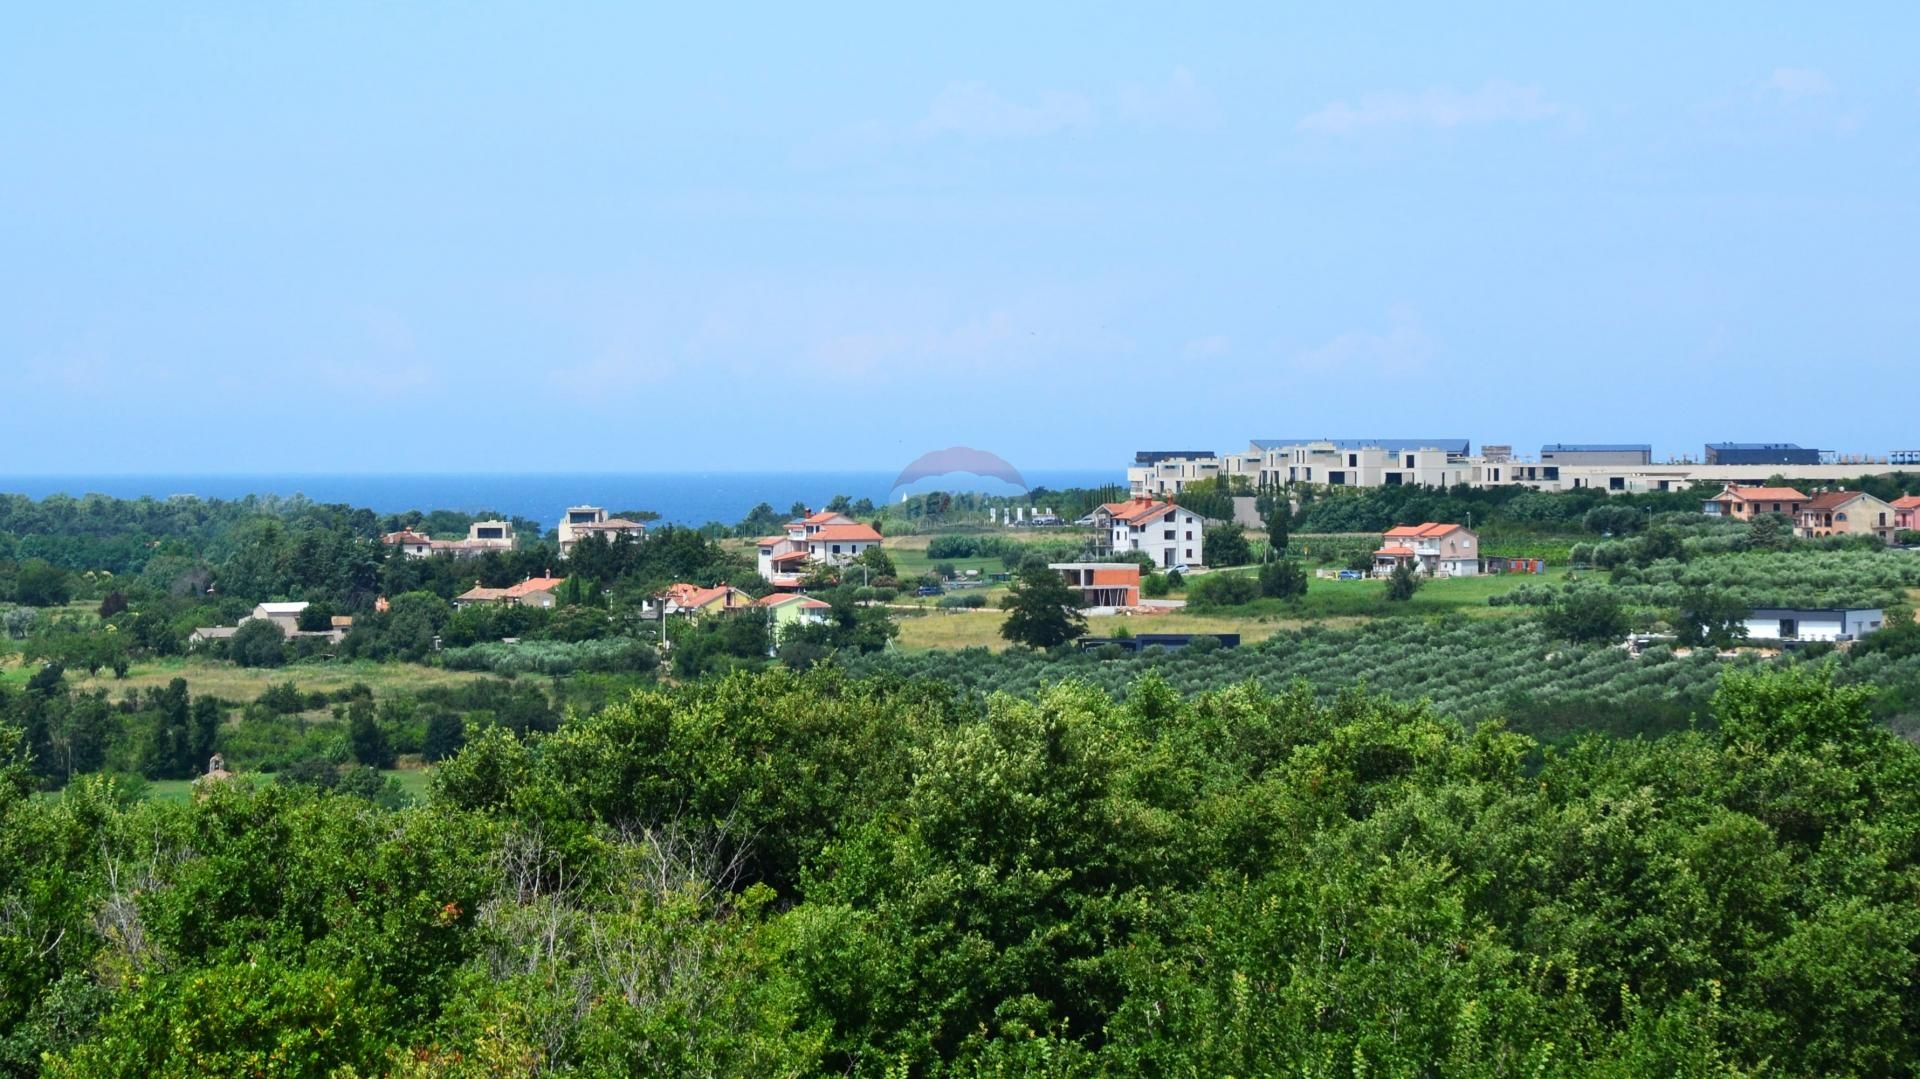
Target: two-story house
<point>827,538</point>
<point>581,522</point>
<point>1847,513</point>
<point>1172,536</point>
<point>1906,513</point>
<point>1437,550</point>
<point>1746,503</point>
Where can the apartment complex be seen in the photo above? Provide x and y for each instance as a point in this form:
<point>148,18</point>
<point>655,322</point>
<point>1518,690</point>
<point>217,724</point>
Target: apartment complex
<point>1445,462</point>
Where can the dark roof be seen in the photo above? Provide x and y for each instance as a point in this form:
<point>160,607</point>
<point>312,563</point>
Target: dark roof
<point>1151,457</point>
<point>1395,445</point>
<point>1753,445</point>
<point>1772,612</point>
<point>1598,447</point>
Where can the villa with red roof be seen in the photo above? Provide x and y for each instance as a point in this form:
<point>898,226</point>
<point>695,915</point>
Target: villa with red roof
<point>533,592</point>
<point>1906,513</point>
<point>1437,550</point>
<point>693,599</point>
<point>824,538</point>
<point>1171,535</point>
<point>1746,503</point>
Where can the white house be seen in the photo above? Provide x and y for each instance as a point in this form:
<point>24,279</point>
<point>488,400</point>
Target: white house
<point>581,522</point>
<point>826,538</point>
<point>1168,534</point>
<point>1813,624</point>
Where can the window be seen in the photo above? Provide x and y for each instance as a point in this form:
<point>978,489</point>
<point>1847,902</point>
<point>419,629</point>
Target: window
<point>1409,463</point>
<point>1189,552</point>
<point>1168,535</point>
<point>1353,460</point>
<point>1189,533</point>
<point>836,548</point>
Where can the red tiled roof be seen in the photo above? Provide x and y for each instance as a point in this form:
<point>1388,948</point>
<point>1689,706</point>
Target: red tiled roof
<point>477,593</point>
<point>776,599</point>
<point>1136,510</point>
<point>1831,500</point>
<point>1429,530</point>
<point>1907,502</point>
<point>768,541</point>
<point>1397,552</point>
<point>790,556</point>
<point>534,584</point>
<point>1766,494</point>
<point>405,536</point>
<point>846,534</point>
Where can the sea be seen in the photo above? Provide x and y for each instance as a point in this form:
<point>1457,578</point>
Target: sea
<point>686,498</point>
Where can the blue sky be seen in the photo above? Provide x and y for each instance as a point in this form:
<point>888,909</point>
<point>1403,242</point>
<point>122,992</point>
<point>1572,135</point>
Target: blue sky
<point>565,237</point>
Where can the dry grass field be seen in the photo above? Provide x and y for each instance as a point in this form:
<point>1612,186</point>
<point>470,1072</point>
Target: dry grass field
<point>233,683</point>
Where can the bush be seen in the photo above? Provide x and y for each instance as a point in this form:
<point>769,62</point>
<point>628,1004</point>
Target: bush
<point>1222,590</point>
<point>258,643</point>
<point>1154,585</point>
<point>1226,545</point>
<point>1284,579</point>
<point>969,600</point>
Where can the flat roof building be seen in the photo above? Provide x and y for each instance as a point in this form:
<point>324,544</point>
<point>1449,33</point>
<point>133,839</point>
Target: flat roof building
<point>1760,453</point>
<point>1597,453</point>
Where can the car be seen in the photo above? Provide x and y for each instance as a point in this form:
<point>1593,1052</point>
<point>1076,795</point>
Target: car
<point>929,590</point>
<point>1352,575</point>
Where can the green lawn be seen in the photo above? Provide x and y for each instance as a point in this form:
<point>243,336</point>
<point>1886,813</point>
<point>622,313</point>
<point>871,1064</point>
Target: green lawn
<point>228,681</point>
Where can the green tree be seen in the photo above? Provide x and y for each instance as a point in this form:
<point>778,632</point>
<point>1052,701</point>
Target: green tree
<point>1403,582</point>
<point>1284,578</point>
<point>1042,610</point>
<point>1279,530</point>
<point>446,733</point>
<point>259,642</point>
<point>1587,614</point>
<point>366,739</point>
<point>38,583</point>
<point>1226,545</point>
<point>1222,590</point>
<point>1769,532</point>
<point>1711,617</point>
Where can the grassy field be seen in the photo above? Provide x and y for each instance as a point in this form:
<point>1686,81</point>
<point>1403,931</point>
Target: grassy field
<point>229,682</point>
<point>1335,604</point>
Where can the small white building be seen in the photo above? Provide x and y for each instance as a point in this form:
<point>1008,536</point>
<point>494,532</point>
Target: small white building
<point>1813,623</point>
<point>1174,537</point>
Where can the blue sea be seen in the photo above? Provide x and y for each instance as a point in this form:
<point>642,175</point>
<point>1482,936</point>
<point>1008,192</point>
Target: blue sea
<point>689,498</point>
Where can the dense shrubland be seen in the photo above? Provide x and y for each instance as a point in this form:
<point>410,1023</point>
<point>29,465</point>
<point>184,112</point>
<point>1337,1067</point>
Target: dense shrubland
<point>781,874</point>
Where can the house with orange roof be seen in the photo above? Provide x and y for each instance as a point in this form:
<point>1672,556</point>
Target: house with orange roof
<point>693,599</point>
<point>1906,513</point>
<point>542,592</point>
<point>792,608</point>
<point>412,544</point>
<point>1171,535</point>
<point>1433,548</point>
<point>1746,503</point>
<point>1846,513</point>
<point>823,538</point>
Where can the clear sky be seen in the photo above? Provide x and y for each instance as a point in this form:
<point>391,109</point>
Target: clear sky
<point>235,237</point>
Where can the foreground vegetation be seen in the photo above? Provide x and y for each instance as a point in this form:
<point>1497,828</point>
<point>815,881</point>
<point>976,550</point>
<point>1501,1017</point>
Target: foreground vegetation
<point>778,874</point>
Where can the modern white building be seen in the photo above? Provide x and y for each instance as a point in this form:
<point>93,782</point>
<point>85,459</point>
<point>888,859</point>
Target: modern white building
<point>1813,623</point>
<point>1173,537</point>
<point>482,536</point>
<point>582,522</point>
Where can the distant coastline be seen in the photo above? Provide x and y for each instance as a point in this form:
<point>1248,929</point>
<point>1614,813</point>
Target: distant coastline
<point>688,498</point>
